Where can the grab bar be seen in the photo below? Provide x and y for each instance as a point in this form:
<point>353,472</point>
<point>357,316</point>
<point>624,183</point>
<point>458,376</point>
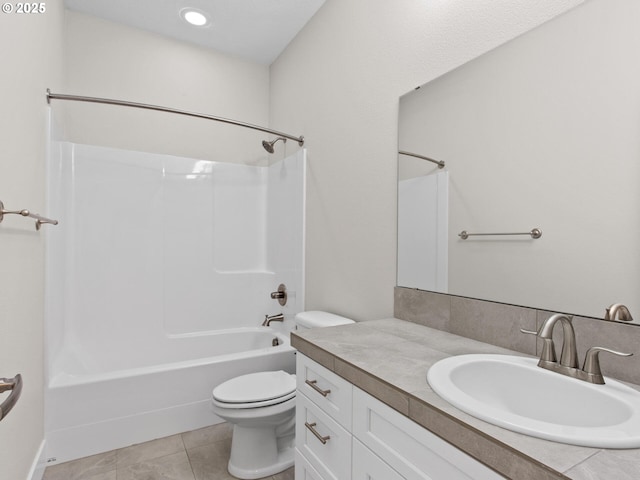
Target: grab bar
<point>40,220</point>
<point>535,233</point>
<point>15,385</point>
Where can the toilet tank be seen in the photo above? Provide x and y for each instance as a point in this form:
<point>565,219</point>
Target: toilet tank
<point>317,319</point>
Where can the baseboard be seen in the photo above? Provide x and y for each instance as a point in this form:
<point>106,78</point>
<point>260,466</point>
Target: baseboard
<point>90,439</point>
<point>36,472</point>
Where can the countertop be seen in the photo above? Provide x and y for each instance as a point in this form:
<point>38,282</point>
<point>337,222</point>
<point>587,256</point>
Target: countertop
<point>390,358</point>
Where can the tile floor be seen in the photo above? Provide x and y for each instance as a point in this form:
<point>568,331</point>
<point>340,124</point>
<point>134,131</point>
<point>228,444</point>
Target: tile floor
<point>197,455</point>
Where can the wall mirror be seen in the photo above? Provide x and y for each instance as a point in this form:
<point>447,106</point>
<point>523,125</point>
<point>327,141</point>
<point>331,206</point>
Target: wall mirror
<point>542,132</point>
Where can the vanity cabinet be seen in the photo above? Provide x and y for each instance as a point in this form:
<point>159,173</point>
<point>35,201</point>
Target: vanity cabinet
<point>323,409</point>
<point>344,433</point>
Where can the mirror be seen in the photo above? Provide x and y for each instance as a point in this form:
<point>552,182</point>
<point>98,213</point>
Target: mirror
<point>542,132</point>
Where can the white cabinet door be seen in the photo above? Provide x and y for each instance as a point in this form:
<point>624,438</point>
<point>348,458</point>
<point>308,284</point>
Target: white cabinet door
<point>408,448</point>
<point>367,466</point>
<point>304,470</point>
<point>326,389</point>
<point>322,441</point>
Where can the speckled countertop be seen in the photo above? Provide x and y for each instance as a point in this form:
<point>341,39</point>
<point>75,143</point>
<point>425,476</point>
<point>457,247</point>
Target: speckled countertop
<point>390,358</point>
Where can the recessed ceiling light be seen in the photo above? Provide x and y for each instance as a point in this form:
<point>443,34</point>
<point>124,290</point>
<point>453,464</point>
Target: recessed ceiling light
<point>194,17</point>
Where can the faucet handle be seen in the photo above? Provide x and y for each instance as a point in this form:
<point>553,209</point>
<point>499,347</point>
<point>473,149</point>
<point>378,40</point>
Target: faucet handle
<point>528,332</point>
<point>592,362</point>
<point>280,294</point>
<point>548,353</point>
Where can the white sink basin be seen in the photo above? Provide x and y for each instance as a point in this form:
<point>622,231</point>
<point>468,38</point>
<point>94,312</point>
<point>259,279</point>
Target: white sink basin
<point>514,393</point>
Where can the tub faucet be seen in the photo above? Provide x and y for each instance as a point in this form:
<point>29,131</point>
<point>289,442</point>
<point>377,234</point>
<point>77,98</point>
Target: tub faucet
<point>568,364</point>
<point>272,318</point>
<point>620,311</point>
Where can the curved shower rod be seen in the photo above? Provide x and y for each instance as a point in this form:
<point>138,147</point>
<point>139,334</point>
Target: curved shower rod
<point>109,101</point>
<point>440,163</point>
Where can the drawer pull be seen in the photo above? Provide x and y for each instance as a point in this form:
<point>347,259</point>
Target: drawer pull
<point>312,384</point>
<point>315,432</point>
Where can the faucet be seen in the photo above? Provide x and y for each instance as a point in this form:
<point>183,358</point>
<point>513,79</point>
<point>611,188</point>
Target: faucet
<point>569,353</point>
<point>568,364</point>
<point>618,310</point>
<point>272,318</point>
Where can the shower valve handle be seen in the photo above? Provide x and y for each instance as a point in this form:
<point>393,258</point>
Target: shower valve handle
<point>280,294</point>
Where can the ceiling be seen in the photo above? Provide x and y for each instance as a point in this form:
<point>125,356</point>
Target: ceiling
<point>255,30</point>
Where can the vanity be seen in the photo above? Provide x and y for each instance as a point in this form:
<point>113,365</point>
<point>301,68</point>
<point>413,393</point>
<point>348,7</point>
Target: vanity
<point>385,422</point>
<point>344,432</point>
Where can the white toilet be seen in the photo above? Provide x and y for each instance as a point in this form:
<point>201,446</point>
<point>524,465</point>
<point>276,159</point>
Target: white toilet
<point>261,407</point>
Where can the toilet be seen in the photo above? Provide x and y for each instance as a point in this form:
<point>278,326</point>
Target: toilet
<point>261,408</point>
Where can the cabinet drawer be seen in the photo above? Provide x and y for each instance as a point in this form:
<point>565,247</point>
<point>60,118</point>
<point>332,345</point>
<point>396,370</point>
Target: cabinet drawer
<point>367,466</point>
<point>304,470</point>
<point>328,450</point>
<point>408,448</point>
<point>329,391</point>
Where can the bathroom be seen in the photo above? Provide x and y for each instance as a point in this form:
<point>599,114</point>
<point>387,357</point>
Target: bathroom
<point>338,84</point>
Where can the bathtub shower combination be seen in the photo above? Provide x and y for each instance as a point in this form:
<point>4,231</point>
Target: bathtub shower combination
<point>157,282</point>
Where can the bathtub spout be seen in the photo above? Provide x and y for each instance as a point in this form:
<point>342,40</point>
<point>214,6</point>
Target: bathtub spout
<point>272,318</point>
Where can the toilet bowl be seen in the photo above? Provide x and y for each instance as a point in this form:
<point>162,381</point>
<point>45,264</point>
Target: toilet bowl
<point>261,408</point>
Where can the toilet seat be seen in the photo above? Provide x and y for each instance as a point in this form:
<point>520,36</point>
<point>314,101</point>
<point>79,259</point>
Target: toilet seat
<point>255,390</point>
<point>265,403</point>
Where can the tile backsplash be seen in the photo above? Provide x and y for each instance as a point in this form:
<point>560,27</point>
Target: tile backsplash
<point>499,324</point>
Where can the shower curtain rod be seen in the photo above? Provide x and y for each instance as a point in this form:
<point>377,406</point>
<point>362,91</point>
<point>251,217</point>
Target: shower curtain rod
<point>108,101</point>
<point>440,163</point>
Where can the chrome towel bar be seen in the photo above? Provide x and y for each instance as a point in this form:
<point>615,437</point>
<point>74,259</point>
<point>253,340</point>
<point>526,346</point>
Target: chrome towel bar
<point>40,220</point>
<point>15,385</point>
<point>535,233</point>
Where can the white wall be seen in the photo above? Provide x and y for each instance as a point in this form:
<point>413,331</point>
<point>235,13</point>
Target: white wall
<point>105,59</point>
<point>338,83</point>
<point>31,59</point>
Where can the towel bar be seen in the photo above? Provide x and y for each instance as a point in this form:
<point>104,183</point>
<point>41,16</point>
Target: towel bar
<point>26,213</point>
<point>535,233</point>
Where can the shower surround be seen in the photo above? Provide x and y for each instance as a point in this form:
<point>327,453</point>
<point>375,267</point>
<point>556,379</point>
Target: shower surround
<point>157,280</point>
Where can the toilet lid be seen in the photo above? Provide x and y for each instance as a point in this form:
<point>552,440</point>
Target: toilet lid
<point>256,387</point>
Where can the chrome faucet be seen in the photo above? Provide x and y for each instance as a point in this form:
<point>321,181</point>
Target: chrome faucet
<point>618,310</point>
<point>272,318</point>
<point>568,364</point>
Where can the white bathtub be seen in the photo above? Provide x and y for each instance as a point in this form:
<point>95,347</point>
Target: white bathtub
<point>104,399</point>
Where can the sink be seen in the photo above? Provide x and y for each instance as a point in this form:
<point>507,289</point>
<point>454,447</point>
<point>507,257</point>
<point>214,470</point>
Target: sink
<point>514,393</point>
